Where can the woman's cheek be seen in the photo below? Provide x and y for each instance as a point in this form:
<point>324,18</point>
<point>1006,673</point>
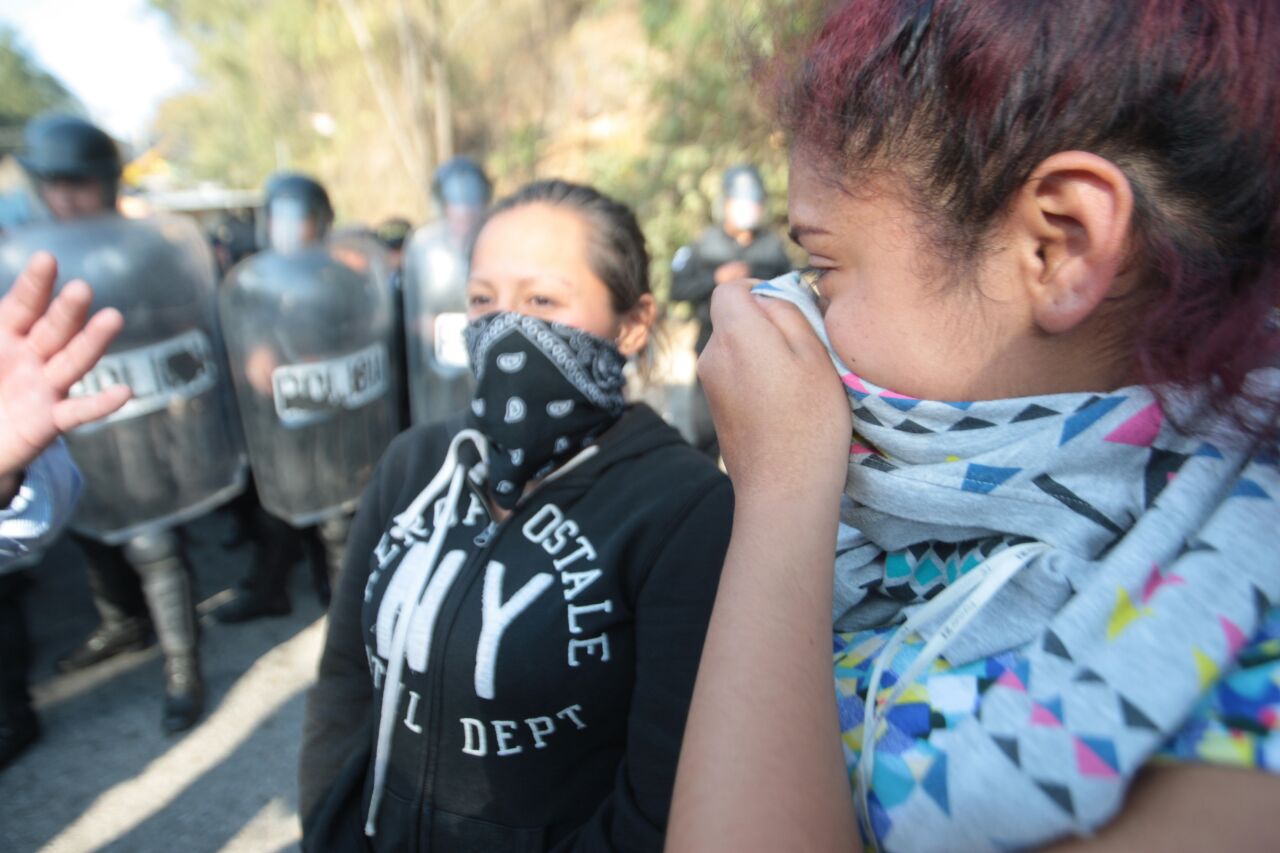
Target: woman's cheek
<point>883,350</point>
<point>844,331</point>
<point>559,315</point>
<point>587,321</point>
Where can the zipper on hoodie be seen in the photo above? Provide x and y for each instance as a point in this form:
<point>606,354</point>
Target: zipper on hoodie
<point>452,605</point>
<point>487,540</point>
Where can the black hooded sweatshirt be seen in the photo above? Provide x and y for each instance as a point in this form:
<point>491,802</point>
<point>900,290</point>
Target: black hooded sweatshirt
<point>543,706</point>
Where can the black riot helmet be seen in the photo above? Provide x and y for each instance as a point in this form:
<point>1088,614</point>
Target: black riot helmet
<point>296,212</point>
<point>461,181</point>
<point>743,181</point>
<point>744,195</point>
<point>393,232</point>
<point>462,192</point>
<point>65,147</point>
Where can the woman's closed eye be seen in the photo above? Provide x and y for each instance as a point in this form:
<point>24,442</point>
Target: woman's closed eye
<point>812,275</point>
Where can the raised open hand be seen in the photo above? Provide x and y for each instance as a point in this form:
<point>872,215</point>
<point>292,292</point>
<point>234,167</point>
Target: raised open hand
<point>45,348</point>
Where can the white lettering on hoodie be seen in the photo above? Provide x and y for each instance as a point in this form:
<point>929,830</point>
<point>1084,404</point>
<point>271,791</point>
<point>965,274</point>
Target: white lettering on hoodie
<point>496,616</point>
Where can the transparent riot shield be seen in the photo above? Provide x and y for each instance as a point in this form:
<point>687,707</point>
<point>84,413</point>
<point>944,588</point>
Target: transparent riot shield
<point>435,315</point>
<point>172,453</point>
<point>308,337</point>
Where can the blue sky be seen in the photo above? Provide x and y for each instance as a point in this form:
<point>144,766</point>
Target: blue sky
<point>118,56</point>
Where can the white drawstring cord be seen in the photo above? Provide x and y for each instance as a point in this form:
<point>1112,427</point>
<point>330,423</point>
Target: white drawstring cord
<point>454,474</point>
<point>418,505</point>
<point>969,595</point>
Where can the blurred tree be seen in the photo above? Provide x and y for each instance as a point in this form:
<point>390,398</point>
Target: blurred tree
<point>367,94</point>
<point>707,115</point>
<point>649,99</point>
<point>267,70</point>
<point>25,90</point>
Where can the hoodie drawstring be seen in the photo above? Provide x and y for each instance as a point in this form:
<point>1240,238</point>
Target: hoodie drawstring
<point>451,476</point>
<point>967,596</point>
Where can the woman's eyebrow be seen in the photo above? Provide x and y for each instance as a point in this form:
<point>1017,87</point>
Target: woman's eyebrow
<point>799,231</point>
<point>534,279</point>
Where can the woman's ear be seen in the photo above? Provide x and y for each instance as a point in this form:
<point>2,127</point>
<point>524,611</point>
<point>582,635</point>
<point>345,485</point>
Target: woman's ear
<point>637,323</point>
<point>1071,221</point>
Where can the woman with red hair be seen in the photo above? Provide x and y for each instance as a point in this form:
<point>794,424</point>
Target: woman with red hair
<point>1044,258</point>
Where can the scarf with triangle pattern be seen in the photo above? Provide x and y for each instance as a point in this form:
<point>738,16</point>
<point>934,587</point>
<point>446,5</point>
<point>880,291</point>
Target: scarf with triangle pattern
<point>1160,557</point>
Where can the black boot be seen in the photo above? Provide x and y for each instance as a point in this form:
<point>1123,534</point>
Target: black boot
<point>110,638</point>
<point>183,693</point>
<point>264,592</point>
<point>166,581</point>
<point>16,735</point>
<point>122,610</point>
<point>18,726</point>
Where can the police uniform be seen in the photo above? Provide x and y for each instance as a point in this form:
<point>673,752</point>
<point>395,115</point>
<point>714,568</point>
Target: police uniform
<point>436,264</point>
<point>308,328</point>
<point>171,453</point>
<point>693,270</point>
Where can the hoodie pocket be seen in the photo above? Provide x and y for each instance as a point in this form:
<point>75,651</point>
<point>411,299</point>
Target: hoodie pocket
<point>461,834</point>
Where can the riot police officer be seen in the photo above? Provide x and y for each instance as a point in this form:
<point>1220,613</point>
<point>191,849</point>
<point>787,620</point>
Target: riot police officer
<point>170,454</point>
<point>308,326</point>
<point>435,304</point>
<point>46,347</point>
<point>739,246</point>
<point>75,165</point>
<point>392,234</point>
<point>233,239</point>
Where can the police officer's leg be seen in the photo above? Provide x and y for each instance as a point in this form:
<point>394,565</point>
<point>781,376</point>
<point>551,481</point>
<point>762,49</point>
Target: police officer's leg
<point>241,510</point>
<point>327,545</point>
<point>265,590</point>
<point>117,595</point>
<point>18,726</point>
<point>333,536</point>
<point>167,583</point>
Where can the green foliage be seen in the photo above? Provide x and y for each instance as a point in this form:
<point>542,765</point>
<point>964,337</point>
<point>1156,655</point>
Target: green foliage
<point>264,66</point>
<point>276,72</point>
<point>709,117</point>
<point>649,99</point>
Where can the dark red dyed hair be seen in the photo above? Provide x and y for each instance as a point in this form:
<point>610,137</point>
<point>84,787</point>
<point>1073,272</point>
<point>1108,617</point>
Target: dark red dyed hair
<point>1182,95</point>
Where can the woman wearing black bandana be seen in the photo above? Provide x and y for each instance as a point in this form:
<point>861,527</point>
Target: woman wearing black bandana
<point>513,641</point>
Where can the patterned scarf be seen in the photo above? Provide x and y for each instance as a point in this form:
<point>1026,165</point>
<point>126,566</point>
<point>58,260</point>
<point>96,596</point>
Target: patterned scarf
<point>1161,560</point>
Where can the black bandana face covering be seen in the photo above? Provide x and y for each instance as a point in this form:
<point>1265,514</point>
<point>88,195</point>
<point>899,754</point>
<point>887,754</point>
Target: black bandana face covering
<point>544,391</point>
